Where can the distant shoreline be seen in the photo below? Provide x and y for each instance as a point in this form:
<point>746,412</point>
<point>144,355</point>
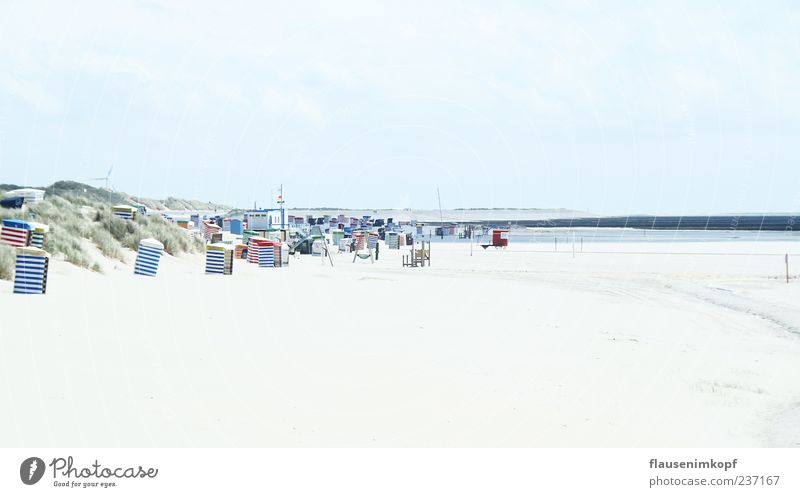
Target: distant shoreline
<point>705,223</point>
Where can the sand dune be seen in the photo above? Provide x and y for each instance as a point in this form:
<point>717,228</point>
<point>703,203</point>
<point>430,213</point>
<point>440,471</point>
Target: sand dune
<point>522,347</point>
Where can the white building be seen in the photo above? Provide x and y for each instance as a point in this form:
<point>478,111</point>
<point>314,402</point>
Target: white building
<point>263,219</point>
<point>29,195</point>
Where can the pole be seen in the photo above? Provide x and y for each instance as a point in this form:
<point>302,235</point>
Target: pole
<point>573,245</point>
<point>555,244</point>
<point>787,268</point>
<point>283,211</point>
<point>441,218</point>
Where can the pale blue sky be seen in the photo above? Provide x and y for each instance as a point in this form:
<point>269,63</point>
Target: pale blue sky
<point>607,107</point>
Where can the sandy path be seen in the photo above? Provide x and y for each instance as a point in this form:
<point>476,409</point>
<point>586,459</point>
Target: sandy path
<point>514,348</point>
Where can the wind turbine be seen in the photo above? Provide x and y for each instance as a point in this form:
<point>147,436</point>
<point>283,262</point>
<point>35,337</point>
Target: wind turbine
<point>106,178</point>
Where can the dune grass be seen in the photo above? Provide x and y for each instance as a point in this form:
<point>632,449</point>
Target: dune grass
<point>75,221</point>
<point>6,262</point>
<point>129,234</point>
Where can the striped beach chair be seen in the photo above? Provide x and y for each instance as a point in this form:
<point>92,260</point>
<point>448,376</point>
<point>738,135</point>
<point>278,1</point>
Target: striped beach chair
<point>38,234</point>
<point>261,251</point>
<point>124,212</point>
<point>30,270</point>
<point>209,229</point>
<point>219,259</point>
<point>15,233</point>
<point>372,241</point>
<point>148,257</point>
<point>360,239</point>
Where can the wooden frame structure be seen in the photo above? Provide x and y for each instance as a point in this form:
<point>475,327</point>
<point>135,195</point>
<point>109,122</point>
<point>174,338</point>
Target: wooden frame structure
<point>418,256</point>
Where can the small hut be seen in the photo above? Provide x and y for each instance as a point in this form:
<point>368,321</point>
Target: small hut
<point>28,195</point>
<point>500,237</point>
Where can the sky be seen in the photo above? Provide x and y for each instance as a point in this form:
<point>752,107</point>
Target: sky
<point>606,107</point>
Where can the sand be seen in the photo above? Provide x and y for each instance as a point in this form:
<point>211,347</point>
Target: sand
<point>619,346</point>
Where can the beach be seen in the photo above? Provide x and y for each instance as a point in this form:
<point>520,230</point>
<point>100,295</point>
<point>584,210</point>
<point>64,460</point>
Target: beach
<point>691,344</point>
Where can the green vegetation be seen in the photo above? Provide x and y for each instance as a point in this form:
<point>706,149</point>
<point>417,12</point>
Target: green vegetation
<point>78,219</point>
<point>90,193</point>
<point>129,234</point>
<point>6,262</point>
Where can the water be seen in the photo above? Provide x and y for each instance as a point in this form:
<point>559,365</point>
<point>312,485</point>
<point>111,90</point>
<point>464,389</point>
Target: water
<point>626,235</point>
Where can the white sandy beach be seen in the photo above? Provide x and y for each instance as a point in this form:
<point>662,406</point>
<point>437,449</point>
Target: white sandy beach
<point>517,347</point>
